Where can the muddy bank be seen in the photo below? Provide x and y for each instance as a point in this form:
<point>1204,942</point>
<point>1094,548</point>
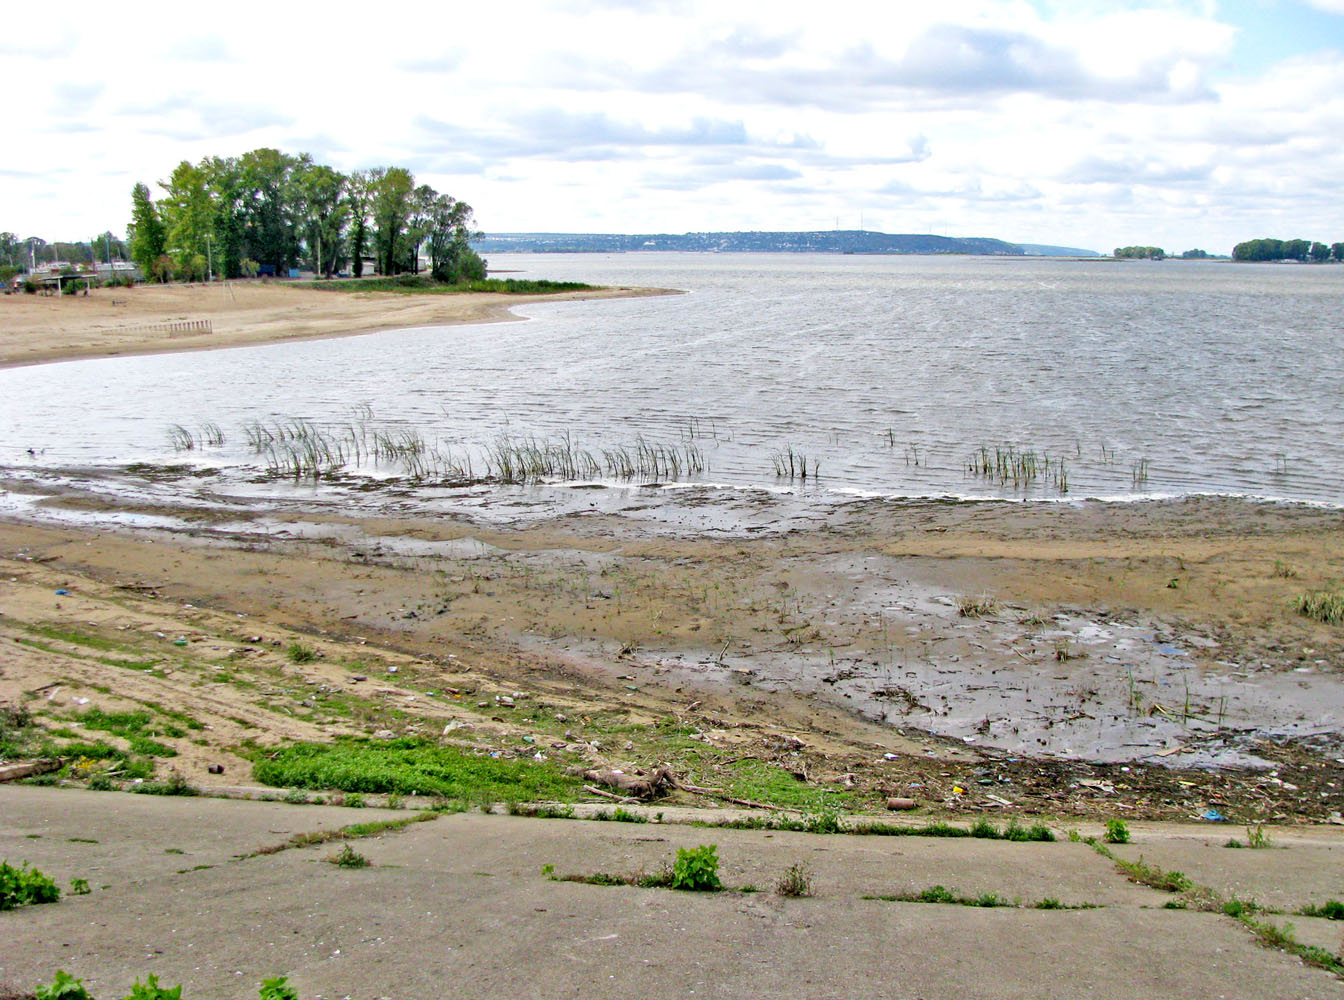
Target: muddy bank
<point>1040,658</point>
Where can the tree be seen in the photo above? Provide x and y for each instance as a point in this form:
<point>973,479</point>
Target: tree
<point>146,232</point>
<point>226,185</point>
<point>1195,255</point>
<point>188,210</point>
<point>1320,253</point>
<point>1296,249</point>
<point>451,257</point>
<point>321,209</point>
<point>1337,251</point>
<point>1140,253</point>
<point>358,196</point>
<point>268,223</point>
<point>418,222</point>
<point>391,189</point>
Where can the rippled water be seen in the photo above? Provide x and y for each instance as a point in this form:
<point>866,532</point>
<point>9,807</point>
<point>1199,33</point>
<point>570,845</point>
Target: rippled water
<point>888,371</point>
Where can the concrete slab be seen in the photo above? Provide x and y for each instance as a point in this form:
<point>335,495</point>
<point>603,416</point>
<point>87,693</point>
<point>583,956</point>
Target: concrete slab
<point>458,906</point>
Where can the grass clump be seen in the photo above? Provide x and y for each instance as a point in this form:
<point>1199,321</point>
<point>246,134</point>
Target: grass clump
<point>24,886</point>
<point>976,607</point>
<point>413,767</point>
<point>1152,876</point>
<point>1322,605</point>
<point>297,652</point>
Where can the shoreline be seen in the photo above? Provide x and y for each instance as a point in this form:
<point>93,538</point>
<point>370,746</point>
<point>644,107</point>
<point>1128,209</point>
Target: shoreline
<point>834,649</point>
<point>118,322</point>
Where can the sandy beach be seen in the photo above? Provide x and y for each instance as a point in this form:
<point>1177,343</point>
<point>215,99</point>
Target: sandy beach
<point>140,320</point>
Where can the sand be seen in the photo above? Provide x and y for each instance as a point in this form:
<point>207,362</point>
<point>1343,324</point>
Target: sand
<point>112,321</point>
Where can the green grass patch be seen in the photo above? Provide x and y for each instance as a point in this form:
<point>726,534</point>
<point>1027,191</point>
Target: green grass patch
<point>134,727</point>
<point>353,831</point>
<point>1330,910</point>
<point>761,781</point>
<point>413,767</point>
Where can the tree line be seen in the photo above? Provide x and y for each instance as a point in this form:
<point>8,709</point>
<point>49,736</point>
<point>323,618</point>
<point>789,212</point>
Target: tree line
<point>1140,253</point>
<point>266,211</point>
<point>1269,249</point>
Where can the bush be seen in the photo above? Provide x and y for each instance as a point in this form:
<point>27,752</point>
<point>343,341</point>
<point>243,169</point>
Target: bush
<point>1117,832</point>
<point>151,990</point>
<point>25,886</point>
<point>697,869</point>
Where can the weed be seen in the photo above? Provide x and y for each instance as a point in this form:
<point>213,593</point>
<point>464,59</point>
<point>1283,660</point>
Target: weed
<point>623,815</point>
<point>63,987</point>
<point>795,882</point>
<point>296,797</point>
<point>353,801</point>
<point>348,857</point>
<point>151,990</point>
<point>79,887</point>
<point>1282,571</point>
<point>697,869</point>
<point>976,607</point>
<point>937,894</point>
<point>1257,839</point>
<point>25,886</point>
<point>1117,832</point>
<point>1331,910</point>
<point>175,785</point>
<point>277,989</point>
<point>297,652</point>
<point>1239,908</point>
<point>1322,605</point>
<point>1154,877</point>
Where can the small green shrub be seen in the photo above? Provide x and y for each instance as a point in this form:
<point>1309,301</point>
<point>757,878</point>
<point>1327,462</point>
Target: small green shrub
<point>151,990</point>
<point>1257,839</point>
<point>796,881</point>
<point>1117,832</point>
<point>277,989</point>
<point>623,815</point>
<point>79,887</point>
<point>697,869</point>
<point>25,886</point>
<point>63,987</point>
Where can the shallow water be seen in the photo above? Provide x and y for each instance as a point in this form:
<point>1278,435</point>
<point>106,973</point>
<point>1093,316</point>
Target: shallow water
<point>890,372</point>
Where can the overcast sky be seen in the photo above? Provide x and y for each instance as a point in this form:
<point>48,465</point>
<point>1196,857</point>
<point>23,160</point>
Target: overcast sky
<point>1177,123</point>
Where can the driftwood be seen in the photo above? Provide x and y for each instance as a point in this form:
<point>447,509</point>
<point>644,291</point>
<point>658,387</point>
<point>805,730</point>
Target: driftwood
<point>718,793</point>
<point>639,786</point>
<point>14,772</point>
<point>594,790</point>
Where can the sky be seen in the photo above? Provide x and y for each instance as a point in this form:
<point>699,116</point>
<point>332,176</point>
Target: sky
<point>1175,123</point>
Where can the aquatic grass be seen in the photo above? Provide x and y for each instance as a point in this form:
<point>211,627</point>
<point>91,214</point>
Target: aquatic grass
<point>1007,464</point>
<point>791,464</point>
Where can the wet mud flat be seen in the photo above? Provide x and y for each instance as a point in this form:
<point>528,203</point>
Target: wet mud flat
<point>1056,657</point>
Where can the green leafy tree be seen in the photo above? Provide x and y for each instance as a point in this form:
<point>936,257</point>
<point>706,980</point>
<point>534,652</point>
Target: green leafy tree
<point>1337,251</point>
<point>451,257</point>
<point>390,189</point>
<point>1320,253</point>
<point>322,210</point>
<point>226,185</point>
<point>358,187</point>
<point>268,222</point>
<point>188,210</point>
<point>146,233</point>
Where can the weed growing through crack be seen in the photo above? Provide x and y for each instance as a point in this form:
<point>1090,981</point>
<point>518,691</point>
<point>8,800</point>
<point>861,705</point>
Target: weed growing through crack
<point>976,607</point>
<point>1330,910</point>
<point>1117,832</point>
<point>348,857</point>
<point>796,881</point>
<point>697,869</point>
<point>1325,606</point>
<point>297,652</point>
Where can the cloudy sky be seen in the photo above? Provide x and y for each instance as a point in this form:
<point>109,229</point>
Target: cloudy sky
<point>1180,123</point>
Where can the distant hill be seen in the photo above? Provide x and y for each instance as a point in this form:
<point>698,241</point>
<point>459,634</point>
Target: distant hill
<point>857,241</point>
<point>1045,250</point>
